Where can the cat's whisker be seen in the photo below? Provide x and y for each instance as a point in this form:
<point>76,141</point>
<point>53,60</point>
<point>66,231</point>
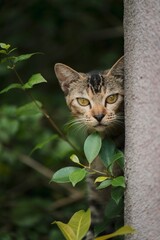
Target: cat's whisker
<point>77,125</point>
<point>112,125</point>
<point>80,128</point>
<point>73,122</point>
<point>119,123</point>
<point>120,117</point>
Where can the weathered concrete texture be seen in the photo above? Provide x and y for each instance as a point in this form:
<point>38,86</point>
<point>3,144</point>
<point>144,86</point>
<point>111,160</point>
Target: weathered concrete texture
<point>142,111</point>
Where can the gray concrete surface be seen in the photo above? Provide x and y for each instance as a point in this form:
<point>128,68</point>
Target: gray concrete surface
<point>142,114</point>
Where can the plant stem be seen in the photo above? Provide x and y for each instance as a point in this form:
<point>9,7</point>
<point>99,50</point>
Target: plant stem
<point>44,112</point>
<point>96,171</point>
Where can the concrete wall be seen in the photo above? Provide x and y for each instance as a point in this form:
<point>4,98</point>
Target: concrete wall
<point>142,109</point>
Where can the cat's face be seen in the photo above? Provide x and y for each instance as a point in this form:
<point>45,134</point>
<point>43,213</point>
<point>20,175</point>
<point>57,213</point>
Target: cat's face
<point>96,99</point>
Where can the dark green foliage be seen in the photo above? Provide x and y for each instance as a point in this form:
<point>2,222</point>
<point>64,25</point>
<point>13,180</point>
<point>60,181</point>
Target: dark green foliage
<point>82,34</point>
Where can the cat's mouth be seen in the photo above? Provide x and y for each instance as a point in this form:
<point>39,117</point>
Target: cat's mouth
<point>100,127</point>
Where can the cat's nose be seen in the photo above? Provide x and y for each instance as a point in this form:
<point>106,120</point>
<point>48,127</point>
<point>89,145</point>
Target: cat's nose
<point>99,117</point>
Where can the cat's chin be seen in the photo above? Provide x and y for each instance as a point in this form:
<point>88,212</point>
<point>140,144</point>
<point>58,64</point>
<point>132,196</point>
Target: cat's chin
<point>100,128</point>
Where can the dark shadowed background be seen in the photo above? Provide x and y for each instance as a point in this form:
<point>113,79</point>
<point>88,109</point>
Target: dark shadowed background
<point>85,35</point>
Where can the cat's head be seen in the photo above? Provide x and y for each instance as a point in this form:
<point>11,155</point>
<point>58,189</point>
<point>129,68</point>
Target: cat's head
<point>95,99</point>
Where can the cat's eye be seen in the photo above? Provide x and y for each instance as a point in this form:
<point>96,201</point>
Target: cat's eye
<point>83,101</point>
<point>112,98</point>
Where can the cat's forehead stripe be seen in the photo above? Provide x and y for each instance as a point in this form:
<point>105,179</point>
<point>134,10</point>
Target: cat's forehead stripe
<point>95,82</point>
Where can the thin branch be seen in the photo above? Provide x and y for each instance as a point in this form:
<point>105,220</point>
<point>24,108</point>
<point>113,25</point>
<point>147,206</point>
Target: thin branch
<point>67,201</point>
<point>38,167</point>
<point>44,112</point>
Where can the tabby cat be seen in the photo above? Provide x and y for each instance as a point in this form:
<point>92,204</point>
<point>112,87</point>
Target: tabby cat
<point>96,100</point>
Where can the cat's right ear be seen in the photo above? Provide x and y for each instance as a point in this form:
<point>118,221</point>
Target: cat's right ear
<point>65,75</point>
<point>117,69</point>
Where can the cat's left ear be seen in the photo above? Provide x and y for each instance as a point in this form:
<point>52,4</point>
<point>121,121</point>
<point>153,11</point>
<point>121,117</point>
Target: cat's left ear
<point>117,69</point>
<point>66,76</point>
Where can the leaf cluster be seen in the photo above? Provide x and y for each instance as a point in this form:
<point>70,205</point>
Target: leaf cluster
<point>105,149</point>
<point>94,146</point>
<point>21,135</point>
<point>11,61</point>
<point>47,26</point>
<point>79,224</point>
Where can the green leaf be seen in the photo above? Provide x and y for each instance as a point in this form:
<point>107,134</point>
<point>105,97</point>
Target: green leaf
<point>120,160</point>
<point>101,179</point>
<point>5,46</point>
<point>118,157</point>
<point>118,182</point>
<point>77,227</point>
<point>66,230</point>
<point>104,184</point>
<point>24,57</point>
<point>74,159</point>
<point>10,87</point>
<point>77,176</point>
<point>42,144</point>
<point>62,175</point>
<point>121,231</point>
<point>35,79</point>
<point>107,152</point>
<point>117,194</point>
<point>80,223</point>
<point>29,109</point>
<point>3,51</point>
<point>92,146</point>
